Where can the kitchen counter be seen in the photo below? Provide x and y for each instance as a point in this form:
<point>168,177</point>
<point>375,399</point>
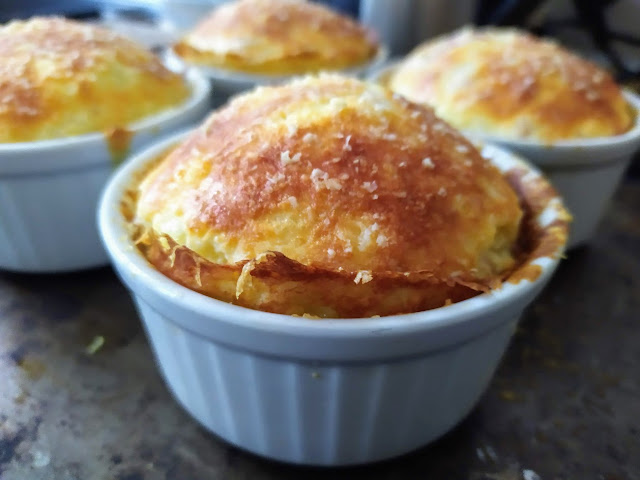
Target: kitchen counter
<point>80,397</point>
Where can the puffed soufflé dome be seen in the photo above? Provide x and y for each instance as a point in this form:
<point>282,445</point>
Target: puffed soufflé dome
<point>330,197</point>
<point>510,84</point>
<point>277,37</point>
<point>60,78</point>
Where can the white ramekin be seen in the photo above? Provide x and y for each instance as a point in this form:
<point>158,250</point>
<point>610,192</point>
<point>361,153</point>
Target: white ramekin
<point>49,190</point>
<point>320,392</point>
<point>586,172</point>
<point>227,82</point>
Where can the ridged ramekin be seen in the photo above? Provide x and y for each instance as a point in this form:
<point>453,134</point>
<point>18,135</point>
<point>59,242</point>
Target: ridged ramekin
<point>586,172</point>
<point>49,189</point>
<point>331,391</point>
<point>227,82</point>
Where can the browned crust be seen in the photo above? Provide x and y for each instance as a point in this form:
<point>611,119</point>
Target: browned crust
<point>281,285</point>
<point>266,205</point>
<point>509,83</point>
<point>290,287</point>
<point>537,241</point>
<point>60,78</point>
<point>361,164</point>
<point>299,36</point>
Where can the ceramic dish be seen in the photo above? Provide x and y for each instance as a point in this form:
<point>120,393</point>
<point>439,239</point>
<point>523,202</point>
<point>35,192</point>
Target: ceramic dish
<point>49,189</point>
<point>228,82</point>
<point>586,172</point>
<point>330,391</point>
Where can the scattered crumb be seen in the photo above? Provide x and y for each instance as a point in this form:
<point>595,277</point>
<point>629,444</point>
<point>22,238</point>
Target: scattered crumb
<point>382,240</point>
<point>363,276</point>
<point>95,345</point>
<point>346,146</point>
<point>286,158</point>
<point>309,137</point>
<point>321,180</point>
<point>370,186</point>
<point>292,128</point>
<point>427,162</point>
<point>277,177</point>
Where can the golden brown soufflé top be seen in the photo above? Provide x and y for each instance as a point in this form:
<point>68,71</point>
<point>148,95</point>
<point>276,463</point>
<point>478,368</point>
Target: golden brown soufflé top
<point>60,78</point>
<point>331,197</point>
<point>277,37</point>
<point>511,84</point>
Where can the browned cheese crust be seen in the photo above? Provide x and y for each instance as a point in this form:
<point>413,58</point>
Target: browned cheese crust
<point>277,37</point>
<point>331,197</point>
<point>60,78</point>
<point>510,84</point>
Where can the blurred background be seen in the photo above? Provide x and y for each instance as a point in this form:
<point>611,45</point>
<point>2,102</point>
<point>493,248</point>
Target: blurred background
<point>603,30</point>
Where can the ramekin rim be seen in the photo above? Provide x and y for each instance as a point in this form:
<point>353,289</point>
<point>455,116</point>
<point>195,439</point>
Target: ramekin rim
<point>220,74</point>
<point>201,89</point>
<point>113,232</point>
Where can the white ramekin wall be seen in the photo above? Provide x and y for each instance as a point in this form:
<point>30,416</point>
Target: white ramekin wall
<point>49,190</point>
<point>320,392</point>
